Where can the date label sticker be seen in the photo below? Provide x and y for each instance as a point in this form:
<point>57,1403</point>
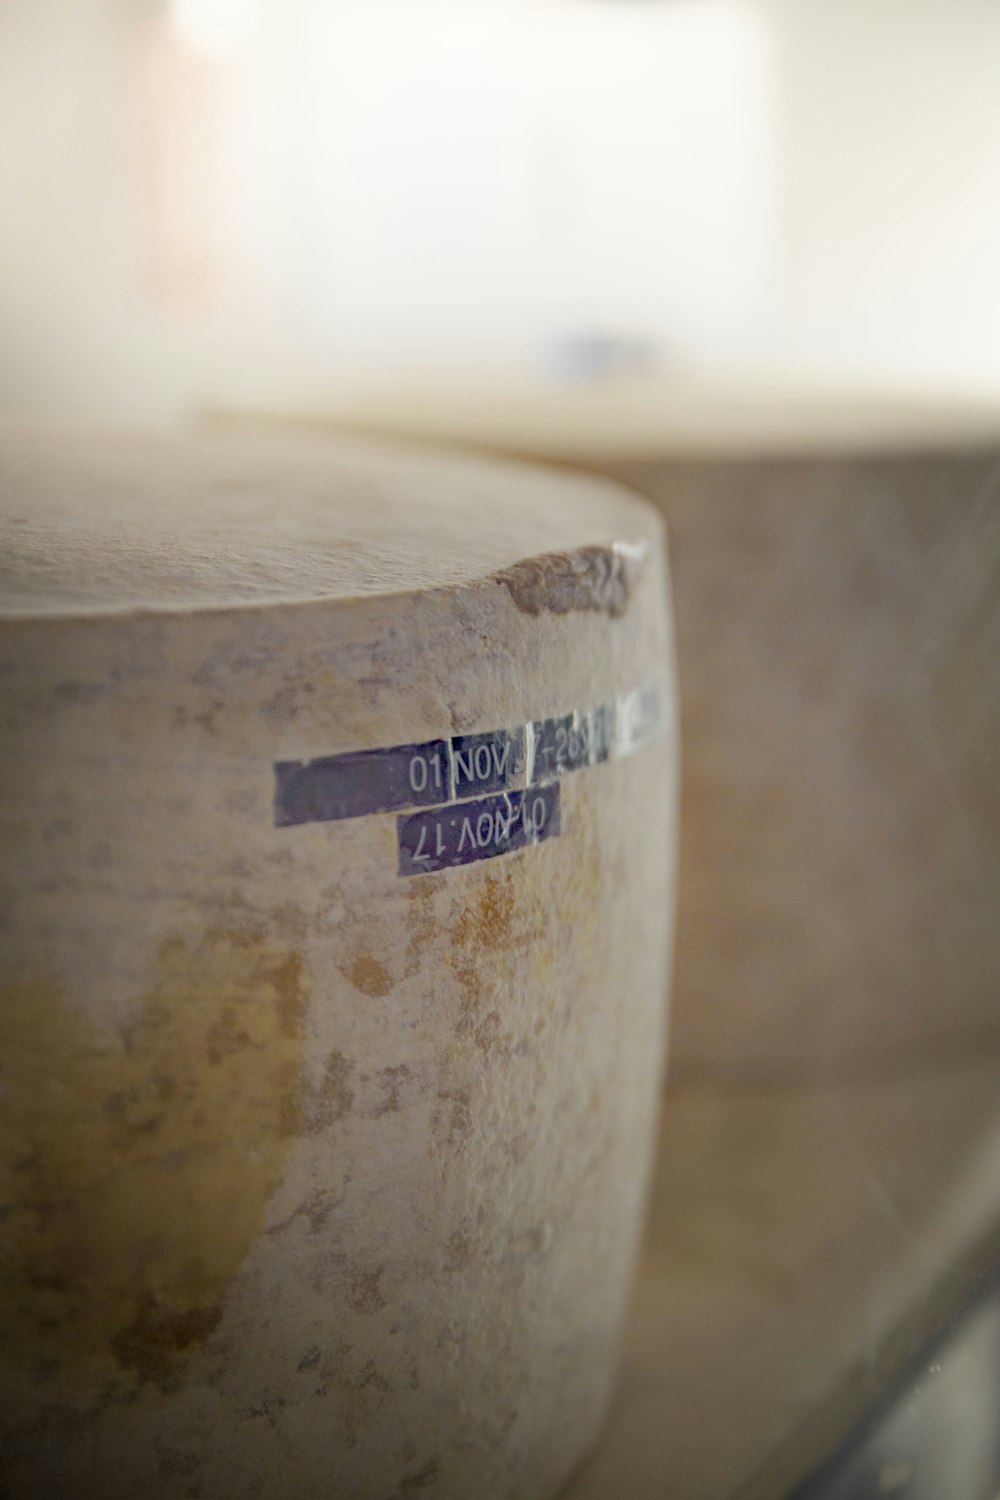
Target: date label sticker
<point>442,838</point>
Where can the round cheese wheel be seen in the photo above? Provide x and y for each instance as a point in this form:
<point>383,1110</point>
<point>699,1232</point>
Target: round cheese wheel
<point>337,804</point>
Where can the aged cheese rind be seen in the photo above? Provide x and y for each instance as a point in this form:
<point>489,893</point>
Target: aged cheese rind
<point>319,1179</point>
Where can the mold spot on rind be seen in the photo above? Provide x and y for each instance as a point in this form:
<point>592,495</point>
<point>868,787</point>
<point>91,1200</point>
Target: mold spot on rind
<point>422,1479</point>
<point>153,1344</point>
<point>366,1294</point>
<point>141,1161</point>
<point>598,579</point>
<point>369,976</point>
<point>331,1099</point>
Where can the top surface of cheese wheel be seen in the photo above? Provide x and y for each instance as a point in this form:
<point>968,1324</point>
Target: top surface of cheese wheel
<point>98,524</point>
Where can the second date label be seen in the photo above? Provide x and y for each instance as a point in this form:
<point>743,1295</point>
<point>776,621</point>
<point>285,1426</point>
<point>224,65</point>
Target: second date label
<point>440,838</point>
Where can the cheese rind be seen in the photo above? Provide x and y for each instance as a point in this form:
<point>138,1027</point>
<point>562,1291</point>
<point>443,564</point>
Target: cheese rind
<point>319,1178</point>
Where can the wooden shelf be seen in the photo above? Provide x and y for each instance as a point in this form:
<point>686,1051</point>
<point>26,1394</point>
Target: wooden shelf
<point>804,1241</point>
<point>647,416</point>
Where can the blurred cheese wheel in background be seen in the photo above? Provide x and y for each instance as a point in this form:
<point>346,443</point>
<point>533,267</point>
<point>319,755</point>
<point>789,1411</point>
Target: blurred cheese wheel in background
<point>337,808</point>
<point>838,626</point>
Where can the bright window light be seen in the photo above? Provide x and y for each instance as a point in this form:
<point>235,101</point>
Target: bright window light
<point>216,29</point>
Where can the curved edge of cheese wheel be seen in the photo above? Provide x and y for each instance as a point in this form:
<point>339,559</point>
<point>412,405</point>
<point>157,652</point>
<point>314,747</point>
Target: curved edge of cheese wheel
<point>100,524</point>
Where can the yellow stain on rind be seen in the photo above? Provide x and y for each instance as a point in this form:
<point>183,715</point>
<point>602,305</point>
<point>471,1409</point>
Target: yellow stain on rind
<point>136,1165</point>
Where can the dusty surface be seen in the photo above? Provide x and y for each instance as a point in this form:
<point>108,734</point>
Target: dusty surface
<point>100,523</point>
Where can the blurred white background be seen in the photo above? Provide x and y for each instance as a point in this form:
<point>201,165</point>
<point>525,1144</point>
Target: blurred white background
<point>296,205</point>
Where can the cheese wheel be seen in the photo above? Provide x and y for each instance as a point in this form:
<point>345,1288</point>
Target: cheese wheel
<point>337,802</point>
